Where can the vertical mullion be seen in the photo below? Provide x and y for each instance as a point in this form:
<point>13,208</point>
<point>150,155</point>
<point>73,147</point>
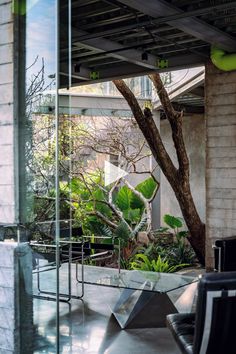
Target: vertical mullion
<point>70,130</point>
<point>57,218</point>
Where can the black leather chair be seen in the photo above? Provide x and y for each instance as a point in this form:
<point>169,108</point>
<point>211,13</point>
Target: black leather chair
<point>212,329</point>
<point>224,252</point>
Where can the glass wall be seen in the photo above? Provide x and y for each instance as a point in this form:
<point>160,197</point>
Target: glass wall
<point>69,206</point>
<point>46,170</point>
<point>39,133</point>
<point>38,192</point>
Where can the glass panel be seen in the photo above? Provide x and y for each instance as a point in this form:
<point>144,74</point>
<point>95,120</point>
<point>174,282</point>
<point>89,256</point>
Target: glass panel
<point>67,148</point>
<point>37,162</point>
<point>38,203</point>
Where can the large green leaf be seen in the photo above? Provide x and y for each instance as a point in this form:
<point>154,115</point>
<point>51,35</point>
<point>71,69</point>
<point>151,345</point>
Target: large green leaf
<point>132,215</point>
<point>123,198</point>
<point>100,206</point>
<point>147,187</point>
<point>173,221</point>
<point>136,202</point>
<point>75,188</point>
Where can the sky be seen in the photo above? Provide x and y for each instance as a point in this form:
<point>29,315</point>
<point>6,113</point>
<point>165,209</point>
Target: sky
<point>40,37</point>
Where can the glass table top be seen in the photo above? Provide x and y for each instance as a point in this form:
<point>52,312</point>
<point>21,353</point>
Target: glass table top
<point>148,281</point>
<point>143,299</point>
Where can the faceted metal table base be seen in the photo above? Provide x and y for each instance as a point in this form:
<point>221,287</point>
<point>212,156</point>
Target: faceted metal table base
<point>187,300</point>
<point>147,309</point>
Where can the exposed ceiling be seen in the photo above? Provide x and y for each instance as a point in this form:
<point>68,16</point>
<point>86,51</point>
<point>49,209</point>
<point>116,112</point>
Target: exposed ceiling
<point>123,38</point>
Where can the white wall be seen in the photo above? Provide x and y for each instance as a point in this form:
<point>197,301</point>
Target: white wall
<point>194,134</point>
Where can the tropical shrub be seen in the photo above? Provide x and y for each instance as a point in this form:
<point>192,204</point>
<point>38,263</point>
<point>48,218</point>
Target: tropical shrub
<point>179,251</point>
<point>143,262</point>
<point>94,209</point>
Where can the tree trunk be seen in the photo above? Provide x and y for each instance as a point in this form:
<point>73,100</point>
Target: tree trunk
<point>178,178</point>
<point>195,226</point>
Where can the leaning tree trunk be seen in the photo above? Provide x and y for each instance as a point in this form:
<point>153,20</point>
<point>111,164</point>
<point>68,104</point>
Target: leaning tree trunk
<point>178,178</point>
<point>196,227</point>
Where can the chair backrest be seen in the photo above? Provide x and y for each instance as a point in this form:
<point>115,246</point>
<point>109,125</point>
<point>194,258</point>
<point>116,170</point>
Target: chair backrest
<point>66,230</point>
<point>225,250</point>
<point>74,231</point>
<point>93,250</point>
<point>216,314</point>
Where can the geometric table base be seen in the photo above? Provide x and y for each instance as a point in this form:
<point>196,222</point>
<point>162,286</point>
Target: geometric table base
<point>187,301</point>
<point>137,308</point>
<point>142,309</point>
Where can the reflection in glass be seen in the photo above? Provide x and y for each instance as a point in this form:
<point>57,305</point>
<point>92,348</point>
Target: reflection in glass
<point>37,165</point>
<point>37,136</point>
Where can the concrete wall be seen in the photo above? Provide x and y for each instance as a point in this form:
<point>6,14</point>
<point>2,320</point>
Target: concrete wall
<point>16,305</point>
<point>221,156</point>
<point>7,188</point>
<point>194,133</point>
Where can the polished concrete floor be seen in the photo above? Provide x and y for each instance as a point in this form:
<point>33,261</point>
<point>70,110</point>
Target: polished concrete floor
<point>87,326</point>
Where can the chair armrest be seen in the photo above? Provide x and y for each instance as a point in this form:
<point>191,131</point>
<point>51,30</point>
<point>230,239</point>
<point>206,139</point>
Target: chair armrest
<point>182,327</point>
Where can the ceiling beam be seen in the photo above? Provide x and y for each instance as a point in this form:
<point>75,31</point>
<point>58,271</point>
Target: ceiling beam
<point>129,70</point>
<point>82,74</point>
<point>124,70</point>
<point>104,45</point>
<point>149,45</point>
<point>190,25</point>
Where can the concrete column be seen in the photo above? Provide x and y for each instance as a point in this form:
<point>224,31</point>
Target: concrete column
<point>220,90</point>
<point>16,309</point>
<point>7,184</point>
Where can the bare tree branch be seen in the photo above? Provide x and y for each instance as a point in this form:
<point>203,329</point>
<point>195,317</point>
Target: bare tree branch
<point>149,130</point>
<point>103,218</point>
<point>176,120</point>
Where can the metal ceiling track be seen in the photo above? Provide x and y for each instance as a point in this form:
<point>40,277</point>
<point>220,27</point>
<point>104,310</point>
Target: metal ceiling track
<point>166,19</point>
<point>190,25</point>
